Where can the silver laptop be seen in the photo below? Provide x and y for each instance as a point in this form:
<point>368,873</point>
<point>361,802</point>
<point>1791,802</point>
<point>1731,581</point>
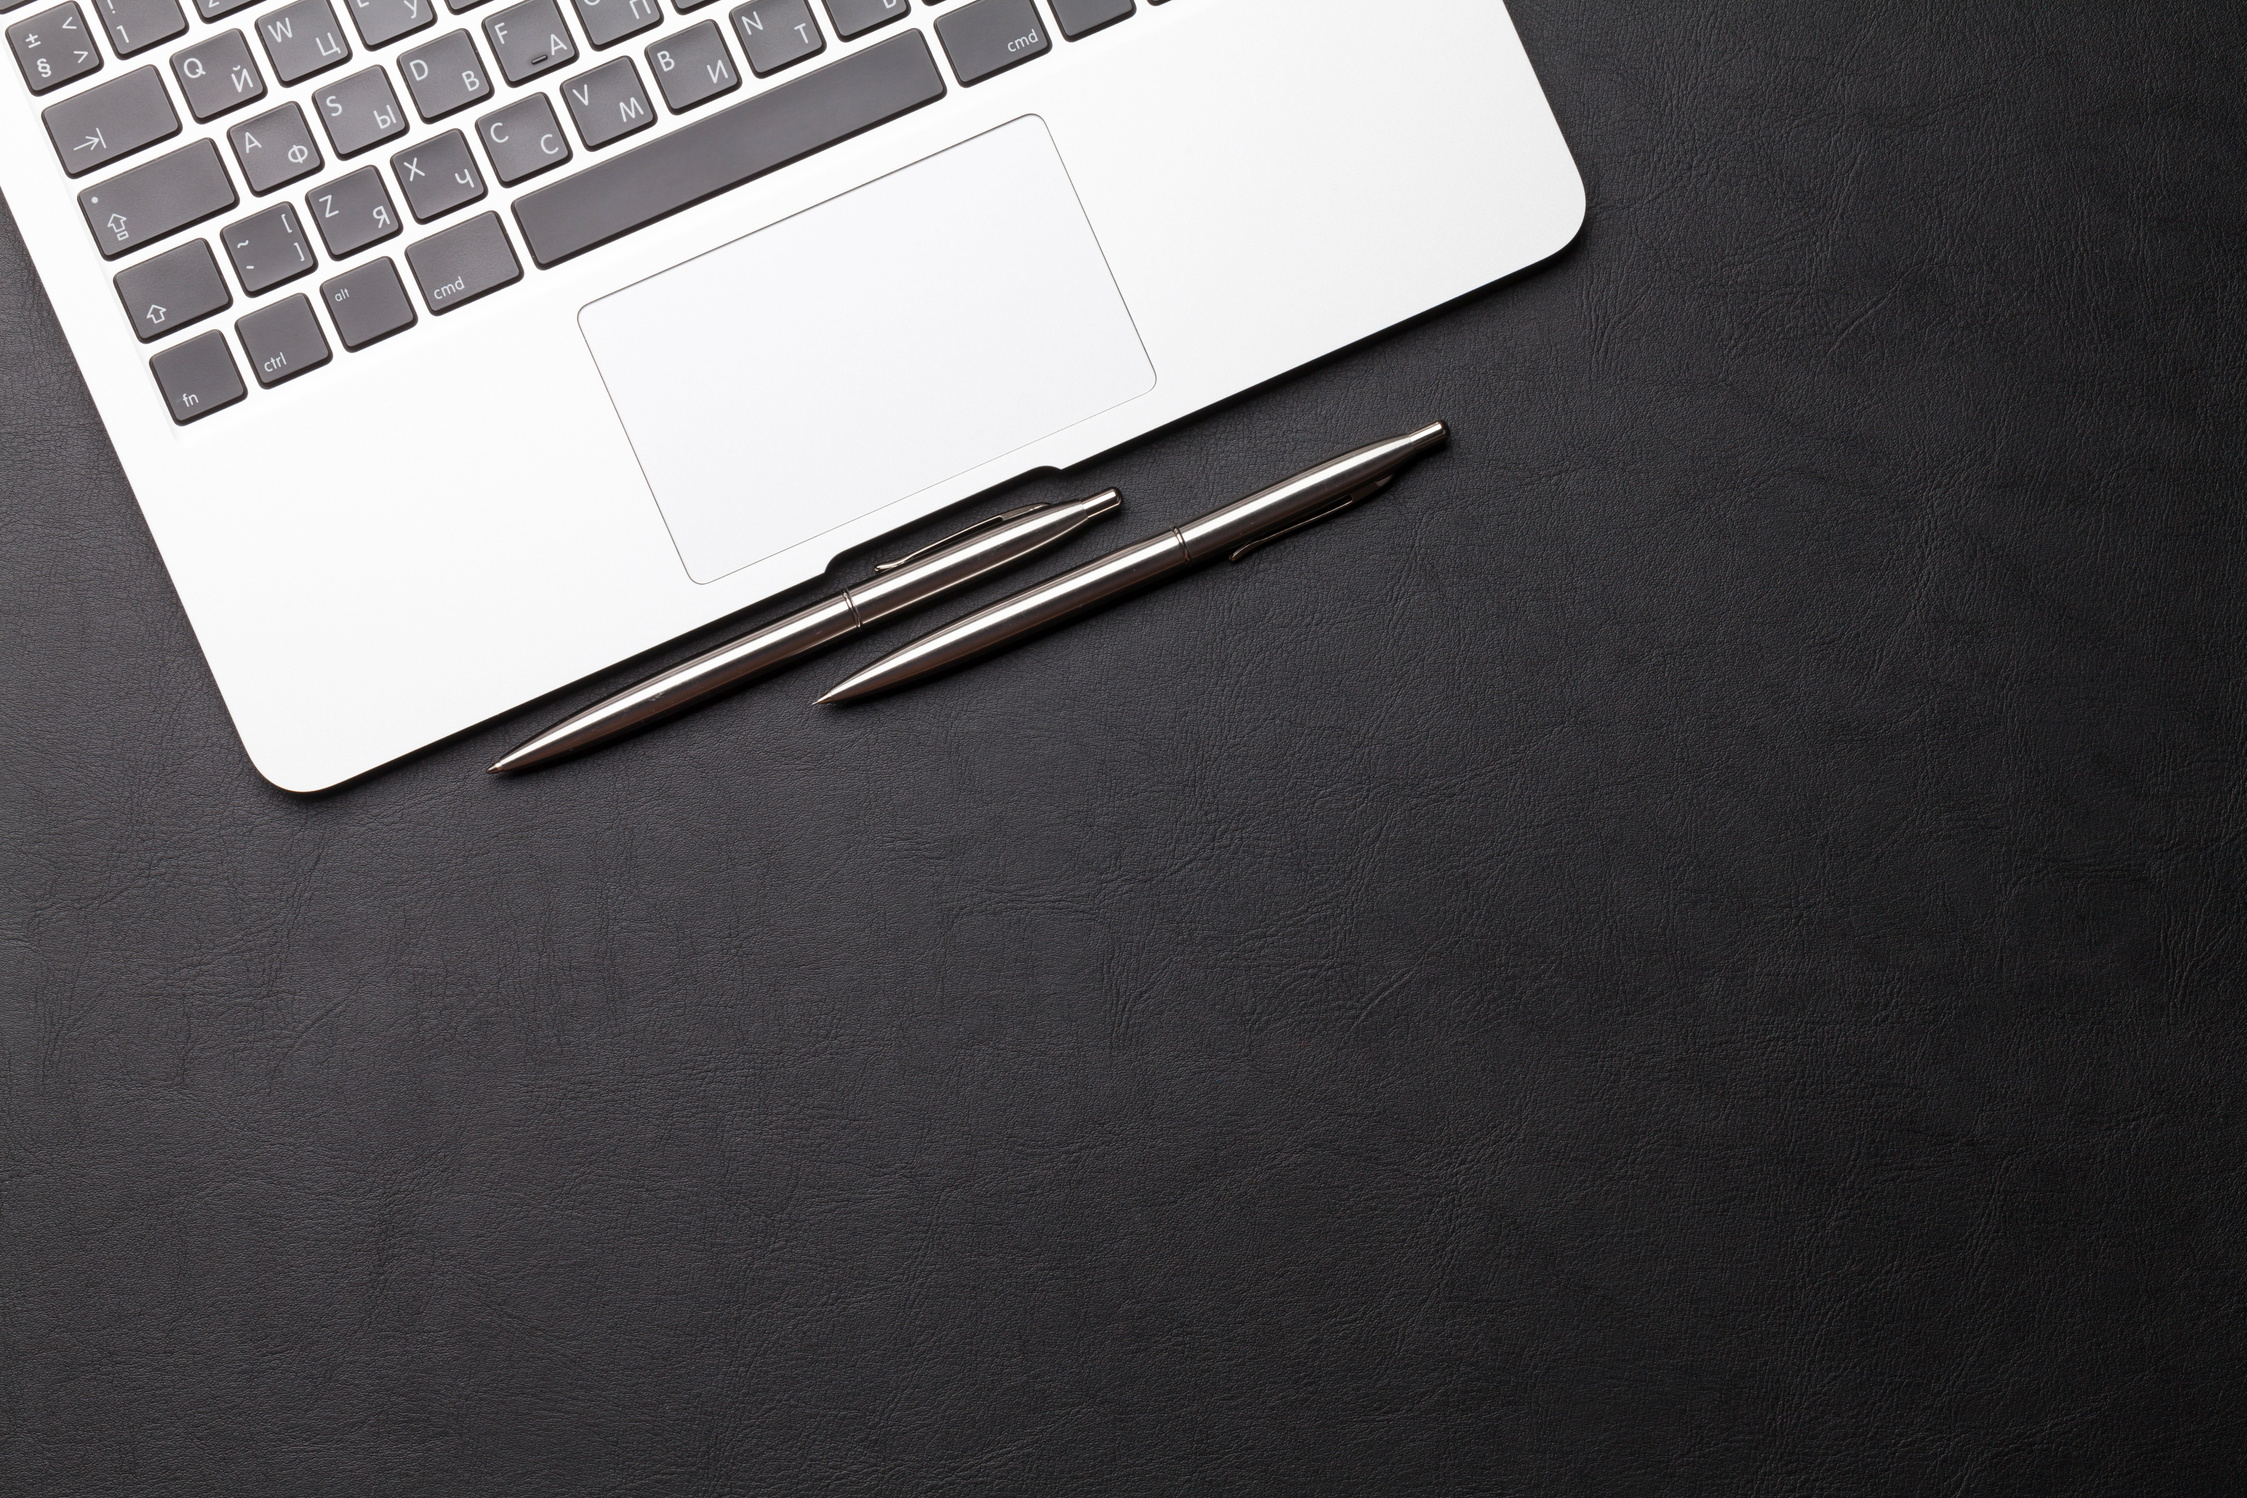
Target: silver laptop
<point>459,349</point>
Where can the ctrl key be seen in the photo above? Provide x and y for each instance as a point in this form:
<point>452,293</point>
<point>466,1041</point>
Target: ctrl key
<point>464,262</point>
<point>198,377</point>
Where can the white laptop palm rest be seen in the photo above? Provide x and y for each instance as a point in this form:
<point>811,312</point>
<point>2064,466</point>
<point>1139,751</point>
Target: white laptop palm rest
<point>457,352</point>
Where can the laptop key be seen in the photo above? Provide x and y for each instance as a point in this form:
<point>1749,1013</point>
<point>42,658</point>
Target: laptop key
<point>303,39</point>
<point>693,67</point>
<point>445,76</point>
<point>211,10</point>
<point>352,212</point>
<point>167,292</point>
<point>217,75</point>
<point>777,34</point>
<point>528,40</point>
<point>368,303</point>
<point>523,139</point>
<point>608,22</point>
<point>54,47</point>
<point>283,341</point>
<point>360,112</point>
<point>198,377</point>
<point>857,17</point>
<point>1078,18</point>
<point>986,37</point>
<point>110,120</point>
<point>720,151</point>
<point>137,25</point>
<point>438,176</point>
<point>160,197</point>
<point>464,262</point>
<point>382,22</point>
<point>608,103</point>
<point>275,149</point>
<point>268,249</point>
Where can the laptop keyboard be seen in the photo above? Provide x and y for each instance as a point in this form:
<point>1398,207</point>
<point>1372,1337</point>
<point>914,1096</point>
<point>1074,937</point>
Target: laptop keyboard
<point>570,135</point>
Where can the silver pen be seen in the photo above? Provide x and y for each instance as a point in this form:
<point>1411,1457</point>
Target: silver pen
<point>1234,532</point>
<point>908,583</point>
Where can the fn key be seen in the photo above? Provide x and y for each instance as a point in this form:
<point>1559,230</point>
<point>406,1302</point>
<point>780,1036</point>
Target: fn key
<point>463,263</point>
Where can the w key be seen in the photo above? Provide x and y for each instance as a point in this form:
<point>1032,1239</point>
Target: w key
<point>110,120</point>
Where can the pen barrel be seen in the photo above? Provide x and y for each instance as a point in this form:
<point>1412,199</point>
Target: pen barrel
<point>970,561</point>
<point>1286,505</point>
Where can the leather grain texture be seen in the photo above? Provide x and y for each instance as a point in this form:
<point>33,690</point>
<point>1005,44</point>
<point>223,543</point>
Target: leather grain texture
<point>1692,947</point>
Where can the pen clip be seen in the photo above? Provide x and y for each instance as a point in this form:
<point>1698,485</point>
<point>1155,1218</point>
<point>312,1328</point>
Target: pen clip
<point>1332,510</point>
<point>956,537</point>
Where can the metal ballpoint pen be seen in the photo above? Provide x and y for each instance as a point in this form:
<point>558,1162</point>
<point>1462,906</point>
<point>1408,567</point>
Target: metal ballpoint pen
<point>909,583</point>
<point>1234,531</point>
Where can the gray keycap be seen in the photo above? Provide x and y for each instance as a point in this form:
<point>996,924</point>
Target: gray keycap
<point>352,212</point>
<point>218,74</point>
<point>986,37</point>
<point>438,176</point>
<point>857,17</point>
<point>283,341</point>
<point>359,112</point>
<point>528,40</point>
<point>53,47</point>
<point>198,377</point>
<point>720,151</point>
<point>464,262</point>
<point>368,303</point>
<point>777,34</point>
<point>523,139</point>
<point>137,25</point>
<point>1083,17</point>
<point>167,292</point>
<point>608,22</point>
<point>382,22</point>
<point>156,198</point>
<point>303,39</point>
<point>445,76</point>
<point>110,120</point>
<point>275,149</point>
<point>608,103</point>
<point>268,248</point>
<point>693,67</point>
<point>211,10</point>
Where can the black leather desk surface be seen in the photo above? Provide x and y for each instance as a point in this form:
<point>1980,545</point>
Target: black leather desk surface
<point>1694,947</point>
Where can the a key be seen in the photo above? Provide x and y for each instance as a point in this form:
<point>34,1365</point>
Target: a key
<point>352,212</point>
<point>275,149</point>
<point>218,74</point>
<point>110,120</point>
<point>382,22</point>
<point>438,176</point>
<point>464,262</point>
<point>303,39</point>
<point>608,103</point>
<point>54,47</point>
<point>737,144</point>
<point>693,67</point>
<point>986,37</point>
<point>167,292</point>
<point>523,139</point>
<point>268,249</point>
<point>777,34</point>
<point>137,25</point>
<point>283,341</point>
<point>1083,17</point>
<point>445,76</point>
<point>359,112</point>
<point>156,198</point>
<point>528,40</point>
<point>608,22</point>
<point>368,303</point>
<point>857,17</point>
<point>198,377</point>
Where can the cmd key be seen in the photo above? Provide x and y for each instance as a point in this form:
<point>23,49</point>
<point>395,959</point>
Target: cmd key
<point>463,263</point>
<point>157,198</point>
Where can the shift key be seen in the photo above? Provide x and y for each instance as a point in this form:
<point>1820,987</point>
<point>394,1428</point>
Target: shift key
<point>463,263</point>
<point>158,198</point>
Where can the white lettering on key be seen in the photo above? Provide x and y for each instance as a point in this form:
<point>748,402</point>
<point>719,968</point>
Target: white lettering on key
<point>192,68</point>
<point>419,69</point>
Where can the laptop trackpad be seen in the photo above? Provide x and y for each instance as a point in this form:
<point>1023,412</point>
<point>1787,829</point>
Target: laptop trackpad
<point>867,349</point>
